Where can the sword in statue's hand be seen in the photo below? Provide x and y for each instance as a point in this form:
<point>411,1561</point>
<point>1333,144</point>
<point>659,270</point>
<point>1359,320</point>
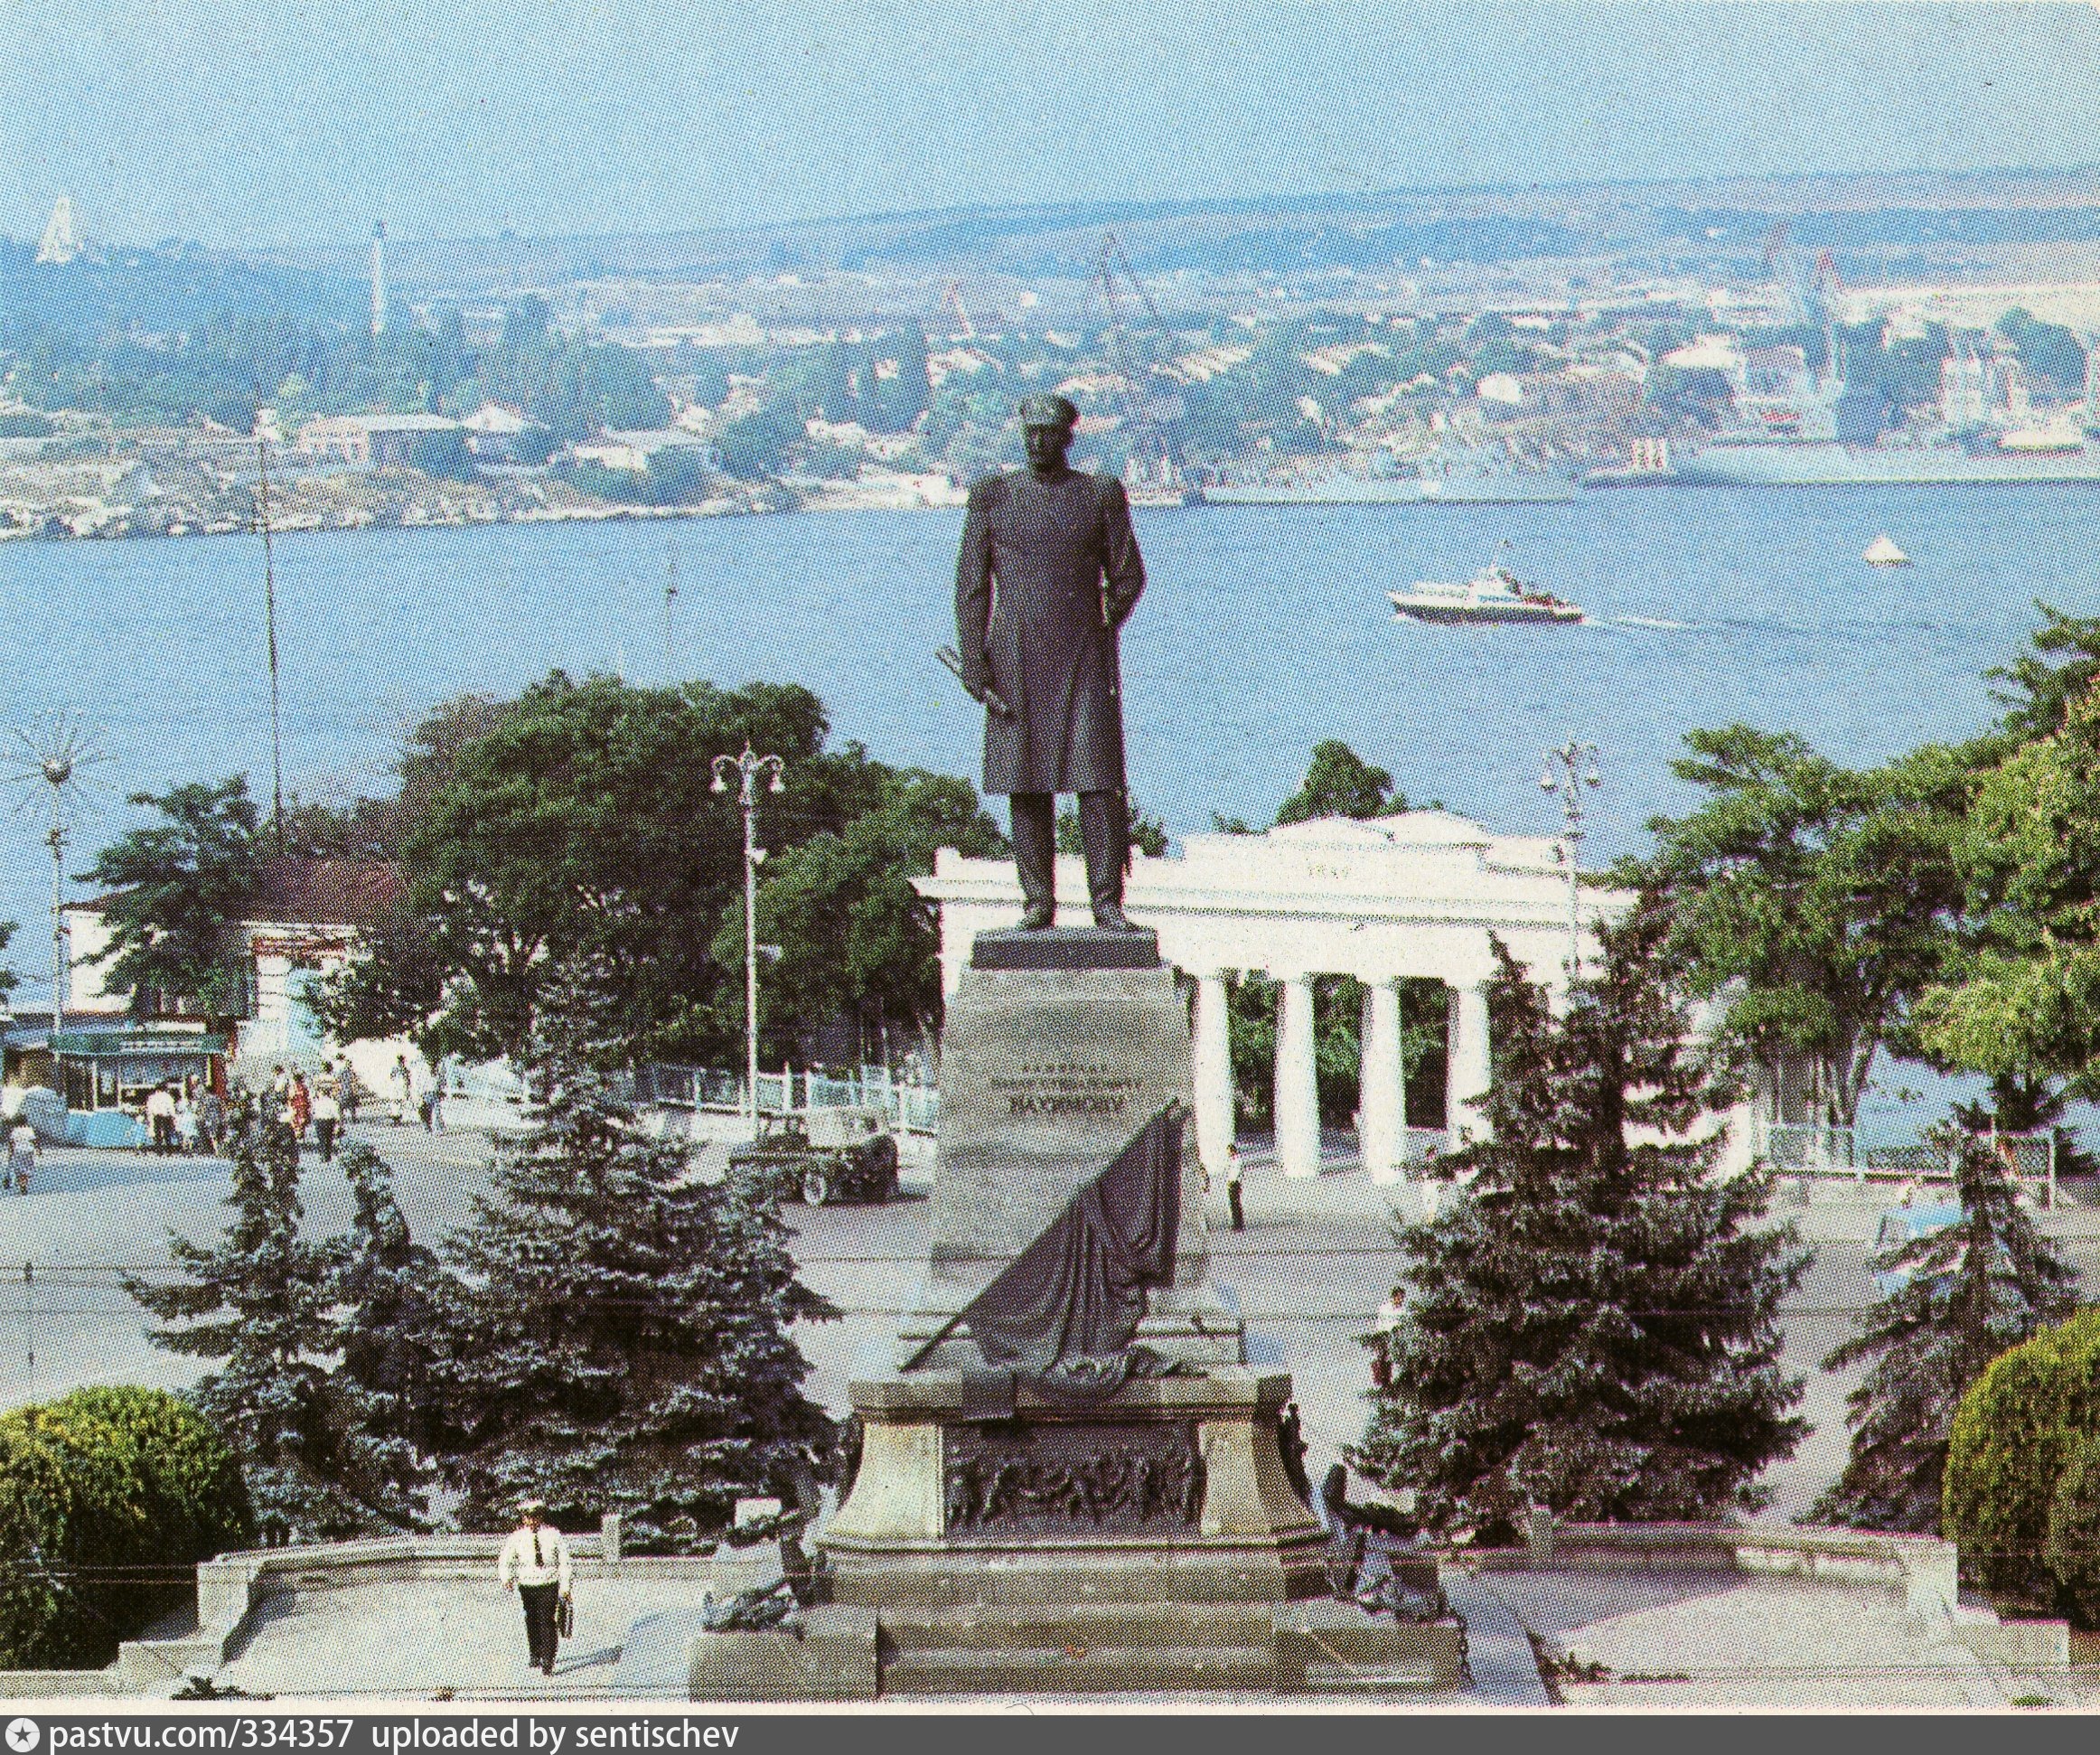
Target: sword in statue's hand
<point>953,659</point>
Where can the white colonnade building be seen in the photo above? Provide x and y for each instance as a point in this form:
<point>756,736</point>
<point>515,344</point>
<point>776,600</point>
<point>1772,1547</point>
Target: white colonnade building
<point>1419,895</point>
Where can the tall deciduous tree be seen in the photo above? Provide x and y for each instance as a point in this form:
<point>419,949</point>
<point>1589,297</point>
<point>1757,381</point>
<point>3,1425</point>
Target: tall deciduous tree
<point>856,939</point>
<point>625,1345</point>
<point>2020,999</point>
<point>580,820</point>
<point>1820,900</point>
<point>177,888</point>
<point>1960,1297</point>
<point>1592,1324</point>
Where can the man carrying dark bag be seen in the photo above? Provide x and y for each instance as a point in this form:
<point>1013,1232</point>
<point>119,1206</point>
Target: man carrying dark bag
<point>535,1563</point>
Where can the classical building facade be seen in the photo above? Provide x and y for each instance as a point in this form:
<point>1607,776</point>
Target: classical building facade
<point>1424,893</point>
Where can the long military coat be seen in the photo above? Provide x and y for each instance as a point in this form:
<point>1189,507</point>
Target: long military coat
<point>1048,574</point>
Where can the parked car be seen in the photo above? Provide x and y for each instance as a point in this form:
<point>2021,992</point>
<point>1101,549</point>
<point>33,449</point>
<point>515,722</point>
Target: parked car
<point>832,1156</point>
<point>1904,1225</point>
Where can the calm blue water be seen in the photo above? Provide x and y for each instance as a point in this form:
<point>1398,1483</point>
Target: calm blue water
<point>1264,629</point>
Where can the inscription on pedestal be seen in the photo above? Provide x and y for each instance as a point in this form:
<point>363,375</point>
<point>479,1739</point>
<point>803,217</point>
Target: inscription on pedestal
<point>1011,1479</point>
<point>1067,1087</point>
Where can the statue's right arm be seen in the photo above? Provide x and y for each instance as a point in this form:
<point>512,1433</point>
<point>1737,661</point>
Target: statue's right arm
<point>974,588</point>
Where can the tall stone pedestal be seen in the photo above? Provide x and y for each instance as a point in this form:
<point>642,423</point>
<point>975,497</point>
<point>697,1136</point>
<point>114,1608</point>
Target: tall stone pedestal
<point>1058,1047</point>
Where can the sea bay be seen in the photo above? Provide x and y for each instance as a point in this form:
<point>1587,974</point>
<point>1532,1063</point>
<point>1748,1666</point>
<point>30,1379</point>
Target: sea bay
<point>1263,630</point>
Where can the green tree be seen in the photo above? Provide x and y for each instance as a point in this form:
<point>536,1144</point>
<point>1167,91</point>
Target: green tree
<point>856,938</point>
<point>261,1304</point>
<point>1592,1324</point>
<point>2018,999</point>
<point>1340,784</point>
<point>177,888</point>
<point>625,1344</point>
<point>1821,900</point>
<point>580,820</point>
<point>396,1304</point>
<point>1964,1296</point>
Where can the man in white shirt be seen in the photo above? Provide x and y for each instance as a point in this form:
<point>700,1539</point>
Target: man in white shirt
<point>159,1111</point>
<point>535,1563</point>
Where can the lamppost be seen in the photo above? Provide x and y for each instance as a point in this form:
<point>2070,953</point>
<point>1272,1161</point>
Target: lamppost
<point>58,757</point>
<point>1568,770</point>
<point>747,768</point>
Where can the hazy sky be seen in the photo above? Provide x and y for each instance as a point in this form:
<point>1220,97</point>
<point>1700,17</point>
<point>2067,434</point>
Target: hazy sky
<point>306,120</point>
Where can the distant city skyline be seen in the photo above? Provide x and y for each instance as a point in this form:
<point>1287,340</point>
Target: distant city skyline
<point>231,126</point>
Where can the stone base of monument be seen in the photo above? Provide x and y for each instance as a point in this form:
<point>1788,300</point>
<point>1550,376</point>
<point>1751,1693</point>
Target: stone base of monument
<point>1150,1542</point>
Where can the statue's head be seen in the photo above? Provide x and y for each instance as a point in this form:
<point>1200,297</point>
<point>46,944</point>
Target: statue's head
<point>1047,423</point>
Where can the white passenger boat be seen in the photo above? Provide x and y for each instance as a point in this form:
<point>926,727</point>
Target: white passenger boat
<point>1494,594</point>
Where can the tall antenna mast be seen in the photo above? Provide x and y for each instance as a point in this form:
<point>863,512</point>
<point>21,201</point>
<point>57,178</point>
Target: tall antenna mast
<point>262,448</point>
<point>670,611</point>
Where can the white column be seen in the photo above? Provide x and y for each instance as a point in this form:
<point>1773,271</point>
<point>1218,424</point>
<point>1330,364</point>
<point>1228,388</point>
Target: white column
<point>1383,1109</point>
<point>1297,1097</point>
<point>1468,1059</point>
<point>1213,1073</point>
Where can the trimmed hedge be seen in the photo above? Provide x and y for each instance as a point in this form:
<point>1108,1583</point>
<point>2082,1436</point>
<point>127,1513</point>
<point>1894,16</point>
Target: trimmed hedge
<point>2073,1554</point>
<point>2017,1432</point>
<point>108,1498</point>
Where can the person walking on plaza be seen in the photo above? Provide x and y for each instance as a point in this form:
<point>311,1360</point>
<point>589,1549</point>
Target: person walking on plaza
<point>403,1094</point>
<point>351,1092</point>
<point>1232,1187</point>
<point>433,1099</point>
<point>21,1154</point>
<point>535,1563</point>
<point>301,1103</point>
<point>327,1122</point>
<point>186,1123</point>
<point>160,1114</point>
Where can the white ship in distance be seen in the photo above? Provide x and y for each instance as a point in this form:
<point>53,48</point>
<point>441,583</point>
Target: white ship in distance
<point>1493,594</point>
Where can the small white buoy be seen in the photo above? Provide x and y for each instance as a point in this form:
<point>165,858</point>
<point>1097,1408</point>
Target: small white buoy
<point>1882,552</point>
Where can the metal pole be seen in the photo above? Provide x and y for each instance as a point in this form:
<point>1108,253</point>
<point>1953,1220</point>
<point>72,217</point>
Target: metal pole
<point>747,768</point>
<point>750,958</point>
<point>1566,775</point>
<point>62,970</point>
<point>262,448</point>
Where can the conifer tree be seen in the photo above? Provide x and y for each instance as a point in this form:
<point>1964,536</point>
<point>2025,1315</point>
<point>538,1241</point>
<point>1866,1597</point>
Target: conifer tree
<point>1590,1325</point>
<point>1962,1296</point>
<point>624,1344</point>
<point>262,1305</point>
<point>398,1307</point>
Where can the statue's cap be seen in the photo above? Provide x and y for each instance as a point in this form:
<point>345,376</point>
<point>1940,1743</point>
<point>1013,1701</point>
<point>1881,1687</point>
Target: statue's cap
<point>1048,411</point>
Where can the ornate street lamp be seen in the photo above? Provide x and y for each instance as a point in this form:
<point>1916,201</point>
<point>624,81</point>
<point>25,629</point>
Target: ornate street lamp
<point>1568,770</point>
<point>747,768</point>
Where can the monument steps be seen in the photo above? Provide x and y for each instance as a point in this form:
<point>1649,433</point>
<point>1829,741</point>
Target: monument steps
<point>1104,1669</point>
<point>1084,1626</point>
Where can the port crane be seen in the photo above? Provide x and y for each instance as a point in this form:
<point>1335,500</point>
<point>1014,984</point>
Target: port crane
<point>1153,418</point>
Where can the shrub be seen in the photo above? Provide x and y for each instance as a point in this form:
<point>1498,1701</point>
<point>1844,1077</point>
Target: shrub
<point>2013,1437</point>
<point>2073,1553</point>
<point>108,1497</point>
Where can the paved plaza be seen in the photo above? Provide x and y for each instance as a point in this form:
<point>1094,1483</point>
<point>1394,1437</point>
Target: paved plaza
<point>1316,1261</point>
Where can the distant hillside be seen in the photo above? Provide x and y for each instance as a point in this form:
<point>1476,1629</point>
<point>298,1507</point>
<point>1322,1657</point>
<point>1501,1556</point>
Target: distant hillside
<point>1722,222</point>
<point>165,291</point>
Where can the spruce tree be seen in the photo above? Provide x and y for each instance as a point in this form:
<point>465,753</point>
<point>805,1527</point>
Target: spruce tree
<point>1591,1325</point>
<point>625,1345</point>
<point>261,1303</point>
<point>1972,1290</point>
<point>398,1306</point>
